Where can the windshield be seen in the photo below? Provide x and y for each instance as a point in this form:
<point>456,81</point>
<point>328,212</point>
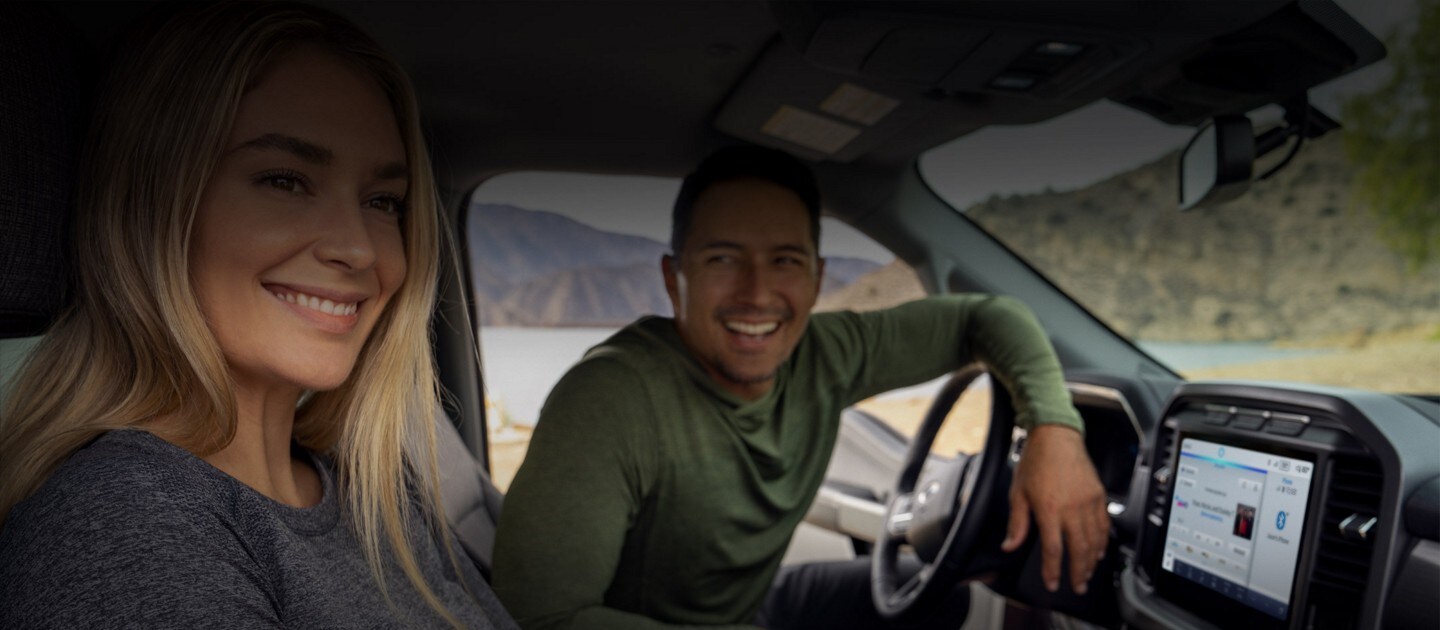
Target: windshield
<point>1314,275</point>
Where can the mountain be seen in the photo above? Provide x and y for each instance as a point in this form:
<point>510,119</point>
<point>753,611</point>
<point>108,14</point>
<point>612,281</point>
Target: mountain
<point>887,286</point>
<point>536,268</point>
<point>590,296</point>
<point>840,272</point>
<point>514,245</point>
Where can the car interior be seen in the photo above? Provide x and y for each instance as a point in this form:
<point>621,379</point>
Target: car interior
<point>1348,533</point>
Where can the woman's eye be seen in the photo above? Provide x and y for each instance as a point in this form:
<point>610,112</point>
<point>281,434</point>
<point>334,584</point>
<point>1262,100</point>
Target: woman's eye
<point>388,204</point>
<point>284,180</point>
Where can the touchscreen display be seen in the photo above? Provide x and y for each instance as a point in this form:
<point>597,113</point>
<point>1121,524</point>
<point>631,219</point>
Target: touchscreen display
<point>1235,522</point>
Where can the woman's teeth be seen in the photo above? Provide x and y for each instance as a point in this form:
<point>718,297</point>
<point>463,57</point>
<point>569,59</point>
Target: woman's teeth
<point>324,306</point>
<point>752,329</point>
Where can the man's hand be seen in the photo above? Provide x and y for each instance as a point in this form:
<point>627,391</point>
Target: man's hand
<point>1056,481</point>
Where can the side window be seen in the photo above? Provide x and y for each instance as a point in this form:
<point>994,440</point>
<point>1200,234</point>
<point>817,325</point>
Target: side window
<point>560,261</point>
<point>12,356</point>
<point>904,409</point>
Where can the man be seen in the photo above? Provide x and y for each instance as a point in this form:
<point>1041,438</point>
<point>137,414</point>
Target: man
<point>672,464</point>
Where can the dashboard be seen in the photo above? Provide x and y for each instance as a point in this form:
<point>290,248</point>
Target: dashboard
<point>1233,504</point>
<point>1284,506</point>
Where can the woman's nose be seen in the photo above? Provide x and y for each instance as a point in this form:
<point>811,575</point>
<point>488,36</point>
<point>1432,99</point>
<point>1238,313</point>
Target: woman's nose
<point>346,242</point>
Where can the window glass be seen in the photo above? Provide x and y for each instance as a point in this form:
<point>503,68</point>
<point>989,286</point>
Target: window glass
<point>12,356</point>
<point>560,261</point>
<point>1310,275</point>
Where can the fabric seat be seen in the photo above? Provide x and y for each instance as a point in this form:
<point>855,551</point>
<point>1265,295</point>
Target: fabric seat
<point>46,70</point>
<point>48,73</point>
<point>472,502</point>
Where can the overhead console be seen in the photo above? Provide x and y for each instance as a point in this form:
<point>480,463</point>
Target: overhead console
<point>1277,507</point>
<point>878,81</point>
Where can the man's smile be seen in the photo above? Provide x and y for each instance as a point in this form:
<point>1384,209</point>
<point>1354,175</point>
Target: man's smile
<point>753,330</point>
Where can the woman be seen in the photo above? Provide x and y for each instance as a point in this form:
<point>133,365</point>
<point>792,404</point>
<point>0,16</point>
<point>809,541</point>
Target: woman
<point>232,424</point>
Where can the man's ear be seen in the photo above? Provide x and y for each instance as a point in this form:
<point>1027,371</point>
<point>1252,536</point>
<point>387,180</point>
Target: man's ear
<point>669,267</point>
<point>819,275</point>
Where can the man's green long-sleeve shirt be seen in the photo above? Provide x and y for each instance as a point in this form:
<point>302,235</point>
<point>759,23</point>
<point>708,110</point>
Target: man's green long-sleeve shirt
<point>651,497</point>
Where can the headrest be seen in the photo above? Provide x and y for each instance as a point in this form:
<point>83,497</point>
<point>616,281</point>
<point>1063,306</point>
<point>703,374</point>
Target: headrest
<point>47,75</point>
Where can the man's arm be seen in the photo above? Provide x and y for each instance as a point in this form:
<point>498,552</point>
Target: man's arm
<point>574,499</point>
<point>1055,479</point>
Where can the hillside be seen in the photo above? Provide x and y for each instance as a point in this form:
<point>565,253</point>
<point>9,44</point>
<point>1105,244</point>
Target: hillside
<point>1298,261</point>
<point>892,284</point>
<point>536,268</point>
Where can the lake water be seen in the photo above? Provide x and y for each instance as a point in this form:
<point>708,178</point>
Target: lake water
<point>523,364</point>
<point>1198,356</point>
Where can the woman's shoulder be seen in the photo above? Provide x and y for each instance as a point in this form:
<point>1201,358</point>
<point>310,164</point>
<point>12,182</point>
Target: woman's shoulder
<point>121,474</point>
<point>125,517</point>
<point>121,486</point>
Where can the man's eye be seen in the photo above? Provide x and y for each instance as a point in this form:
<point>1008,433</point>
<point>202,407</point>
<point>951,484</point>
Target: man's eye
<point>720,259</point>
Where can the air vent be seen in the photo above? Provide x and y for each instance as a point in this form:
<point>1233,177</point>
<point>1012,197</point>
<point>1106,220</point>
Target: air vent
<point>1163,474</point>
<point>1342,565</point>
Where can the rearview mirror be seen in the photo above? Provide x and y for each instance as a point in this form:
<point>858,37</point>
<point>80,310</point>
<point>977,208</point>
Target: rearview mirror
<point>1216,166</point>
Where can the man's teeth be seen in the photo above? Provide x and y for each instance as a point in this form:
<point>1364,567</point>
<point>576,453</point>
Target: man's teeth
<point>752,329</point>
<point>324,306</point>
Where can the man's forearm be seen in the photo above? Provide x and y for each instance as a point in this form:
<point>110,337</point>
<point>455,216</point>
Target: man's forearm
<point>1008,338</point>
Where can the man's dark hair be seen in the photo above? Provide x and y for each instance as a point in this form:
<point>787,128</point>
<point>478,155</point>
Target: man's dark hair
<point>743,162</point>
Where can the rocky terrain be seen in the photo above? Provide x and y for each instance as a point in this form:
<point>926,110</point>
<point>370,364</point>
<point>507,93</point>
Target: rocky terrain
<point>1299,259</point>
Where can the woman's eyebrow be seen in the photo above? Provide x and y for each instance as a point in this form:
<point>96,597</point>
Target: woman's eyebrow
<point>316,154</point>
<point>393,170</point>
<point>307,151</point>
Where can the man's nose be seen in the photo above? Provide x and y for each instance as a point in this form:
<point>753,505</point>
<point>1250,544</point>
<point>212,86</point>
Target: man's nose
<point>757,284</point>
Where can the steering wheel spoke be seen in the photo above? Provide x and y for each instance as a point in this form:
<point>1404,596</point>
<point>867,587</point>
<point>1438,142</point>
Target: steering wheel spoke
<point>915,583</point>
<point>948,515</point>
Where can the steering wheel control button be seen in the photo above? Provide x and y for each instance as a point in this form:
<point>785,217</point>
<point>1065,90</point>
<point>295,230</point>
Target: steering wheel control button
<point>930,490</point>
<point>901,516</point>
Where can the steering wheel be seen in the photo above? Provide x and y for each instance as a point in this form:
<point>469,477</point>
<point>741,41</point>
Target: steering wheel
<point>954,517</point>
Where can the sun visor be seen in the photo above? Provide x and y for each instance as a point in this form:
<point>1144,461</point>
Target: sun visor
<point>1285,54</point>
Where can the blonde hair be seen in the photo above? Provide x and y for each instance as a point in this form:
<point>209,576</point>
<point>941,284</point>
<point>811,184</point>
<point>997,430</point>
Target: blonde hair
<point>134,344</point>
